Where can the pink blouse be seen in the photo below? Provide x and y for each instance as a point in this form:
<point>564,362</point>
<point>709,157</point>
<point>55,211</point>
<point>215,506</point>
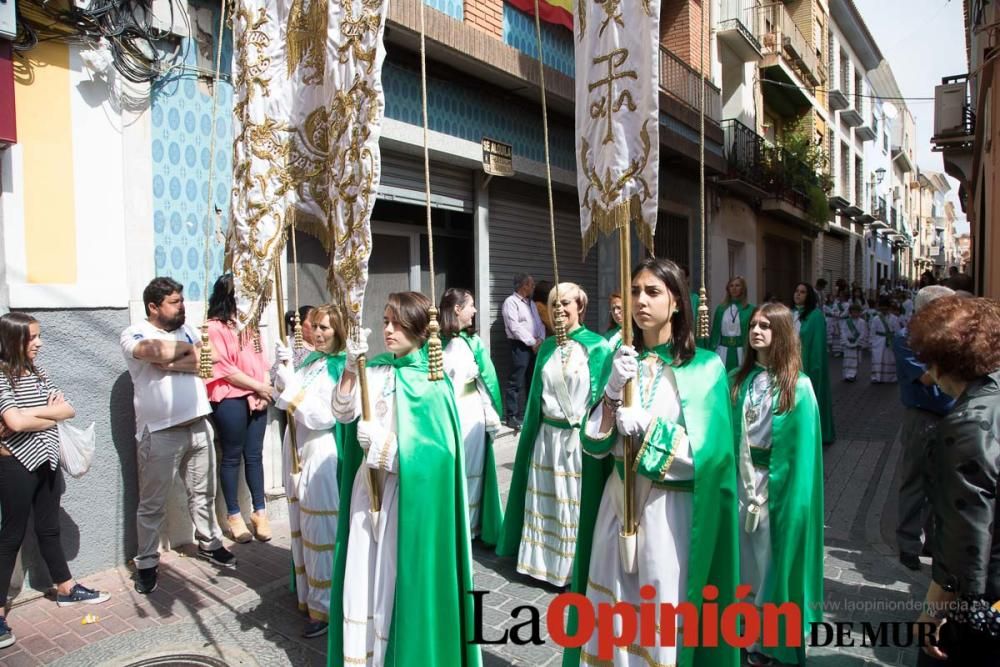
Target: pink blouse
<point>232,356</point>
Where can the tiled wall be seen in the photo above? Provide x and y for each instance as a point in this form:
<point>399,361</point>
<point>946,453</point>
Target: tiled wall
<point>452,8</point>
<point>557,41</point>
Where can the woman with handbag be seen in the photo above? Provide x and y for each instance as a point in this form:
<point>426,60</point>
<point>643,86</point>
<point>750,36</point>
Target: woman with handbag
<point>30,477</point>
<point>958,340</point>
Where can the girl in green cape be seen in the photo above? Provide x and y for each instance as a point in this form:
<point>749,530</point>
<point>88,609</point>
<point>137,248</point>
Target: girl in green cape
<point>729,327</point>
<point>780,486</point>
<point>477,398</point>
<point>685,494</point>
<point>313,491</point>
<point>811,327</point>
<point>614,333</point>
<point>543,506</point>
<point>401,583</point>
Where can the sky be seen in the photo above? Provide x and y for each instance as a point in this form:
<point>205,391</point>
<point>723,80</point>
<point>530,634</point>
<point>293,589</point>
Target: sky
<point>923,40</point>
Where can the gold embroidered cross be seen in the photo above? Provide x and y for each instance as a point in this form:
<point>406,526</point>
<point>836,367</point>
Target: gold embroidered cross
<point>608,104</point>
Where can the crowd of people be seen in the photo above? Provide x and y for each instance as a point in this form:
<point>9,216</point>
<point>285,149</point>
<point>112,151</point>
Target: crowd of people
<point>390,475</point>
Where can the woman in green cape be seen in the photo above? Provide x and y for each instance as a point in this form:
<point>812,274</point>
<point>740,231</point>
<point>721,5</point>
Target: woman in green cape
<point>477,398</point>
<point>685,494</point>
<point>614,333</point>
<point>780,486</point>
<point>811,327</point>
<point>401,583</point>
<point>543,505</point>
<point>314,490</point>
<point>729,326</point>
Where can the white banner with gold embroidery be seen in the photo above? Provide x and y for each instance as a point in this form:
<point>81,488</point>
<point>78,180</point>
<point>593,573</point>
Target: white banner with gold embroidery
<point>617,116</point>
<point>307,110</point>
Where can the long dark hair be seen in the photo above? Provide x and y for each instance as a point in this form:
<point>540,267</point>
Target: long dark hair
<point>682,322</point>
<point>453,296</point>
<point>15,332</point>
<point>785,355</point>
<point>222,303</point>
<point>811,300</point>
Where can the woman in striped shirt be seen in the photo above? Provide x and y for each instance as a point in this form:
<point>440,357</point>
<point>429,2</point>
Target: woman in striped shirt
<point>30,477</point>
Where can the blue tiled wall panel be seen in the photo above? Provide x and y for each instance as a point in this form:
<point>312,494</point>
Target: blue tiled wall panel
<point>469,113</point>
<point>181,135</point>
<point>452,8</point>
<point>557,41</point>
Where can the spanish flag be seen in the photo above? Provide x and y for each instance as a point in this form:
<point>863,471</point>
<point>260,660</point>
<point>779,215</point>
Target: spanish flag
<point>559,12</point>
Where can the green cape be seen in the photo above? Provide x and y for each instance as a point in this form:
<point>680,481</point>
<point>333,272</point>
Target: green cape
<point>611,331</point>
<point>491,515</point>
<point>816,365</point>
<point>795,504</point>
<point>732,356</point>
<point>713,556</point>
<point>599,361</point>
<point>432,615</point>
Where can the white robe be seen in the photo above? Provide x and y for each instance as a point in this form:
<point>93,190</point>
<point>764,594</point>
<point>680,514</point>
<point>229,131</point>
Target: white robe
<point>730,327</point>
<point>474,403</point>
<point>370,578</point>
<point>883,358</point>
<point>664,535</point>
<point>314,501</point>
<point>552,498</point>
<point>852,351</point>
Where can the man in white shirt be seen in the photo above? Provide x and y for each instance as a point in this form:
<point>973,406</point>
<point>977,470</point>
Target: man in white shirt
<point>526,332</point>
<point>173,430</point>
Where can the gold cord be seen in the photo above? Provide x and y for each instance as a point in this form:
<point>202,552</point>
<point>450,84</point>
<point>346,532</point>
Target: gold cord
<point>702,330</point>
<point>297,330</point>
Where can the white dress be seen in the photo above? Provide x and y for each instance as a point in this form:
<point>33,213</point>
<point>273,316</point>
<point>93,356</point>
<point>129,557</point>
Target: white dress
<point>370,577</point>
<point>730,327</point>
<point>881,328</point>
<point>664,535</point>
<point>852,351</point>
<point>314,497</point>
<point>474,404</point>
<point>752,488</point>
<point>552,498</point>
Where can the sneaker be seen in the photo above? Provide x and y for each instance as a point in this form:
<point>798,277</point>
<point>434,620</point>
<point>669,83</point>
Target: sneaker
<point>82,595</point>
<point>6,636</point>
<point>315,629</point>
<point>145,580</point>
<point>222,556</point>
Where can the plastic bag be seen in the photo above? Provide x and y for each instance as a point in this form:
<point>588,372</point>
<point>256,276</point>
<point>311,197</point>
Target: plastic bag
<point>76,448</point>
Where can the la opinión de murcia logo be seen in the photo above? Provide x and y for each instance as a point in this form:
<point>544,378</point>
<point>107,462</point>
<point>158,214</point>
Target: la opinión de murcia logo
<point>650,624</point>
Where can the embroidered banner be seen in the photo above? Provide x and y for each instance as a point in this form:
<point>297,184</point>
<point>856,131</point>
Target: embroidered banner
<point>617,116</point>
<point>307,112</point>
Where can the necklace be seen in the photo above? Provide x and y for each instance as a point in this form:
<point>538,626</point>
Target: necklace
<point>752,412</point>
<point>647,395</point>
<point>734,312</point>
<point>388,387</point>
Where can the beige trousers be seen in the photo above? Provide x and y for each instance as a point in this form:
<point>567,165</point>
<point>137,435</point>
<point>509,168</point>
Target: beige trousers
<point>188,449</point>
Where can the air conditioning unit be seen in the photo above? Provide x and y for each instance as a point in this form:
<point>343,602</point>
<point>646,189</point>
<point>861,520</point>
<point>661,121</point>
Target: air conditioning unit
<point>949,109</point>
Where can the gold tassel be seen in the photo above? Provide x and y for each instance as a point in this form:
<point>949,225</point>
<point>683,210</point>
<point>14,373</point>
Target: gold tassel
<point>435,356</point>
<point>703,326</point>
<point>205,355</point>
<point>256,341</point>
<point>298,331</point>
<point>559,324</point>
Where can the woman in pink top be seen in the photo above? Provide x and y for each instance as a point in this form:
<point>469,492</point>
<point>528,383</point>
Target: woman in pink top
<point>239,392</point>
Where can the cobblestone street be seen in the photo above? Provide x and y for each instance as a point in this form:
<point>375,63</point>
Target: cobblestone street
<point>248,617</point>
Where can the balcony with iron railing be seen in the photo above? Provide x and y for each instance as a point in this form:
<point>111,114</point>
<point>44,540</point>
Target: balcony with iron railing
<point>764,171</point>
<point>683,83</point>
<point>780,36</point>
<point>737,28</point>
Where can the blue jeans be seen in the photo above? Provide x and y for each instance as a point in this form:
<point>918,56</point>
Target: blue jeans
<point>241,435</point>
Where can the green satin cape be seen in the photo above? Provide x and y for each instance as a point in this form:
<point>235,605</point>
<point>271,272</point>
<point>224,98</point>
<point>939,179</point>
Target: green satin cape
<point>432,615</point>
<point>713,555</point>
<point>795,506</point>
<point>816,364</point>
<point>491,514</point>
<point>732,356</point>
<point>599,362</point>
<point>611,331</point>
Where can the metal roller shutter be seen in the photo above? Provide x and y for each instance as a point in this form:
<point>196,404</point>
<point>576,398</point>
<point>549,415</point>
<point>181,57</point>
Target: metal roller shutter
<point>403,181</point>
<point>520,243</point>
<point>834,260</point>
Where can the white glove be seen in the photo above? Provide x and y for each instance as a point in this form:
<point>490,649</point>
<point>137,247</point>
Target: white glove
<point>492,421</point>
<point>284,375</point>
<point>283,353</point>
<point>380,445</point>
<point>356,348</point>
<point>633,421</point>
<point>624,367</point>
